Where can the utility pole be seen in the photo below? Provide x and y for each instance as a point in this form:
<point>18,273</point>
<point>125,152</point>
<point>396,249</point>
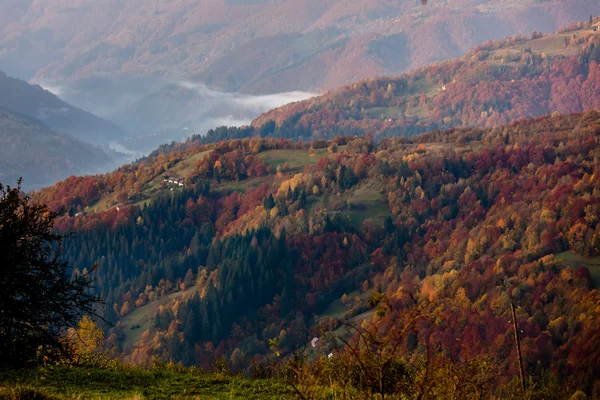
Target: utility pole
<point>518,345</point>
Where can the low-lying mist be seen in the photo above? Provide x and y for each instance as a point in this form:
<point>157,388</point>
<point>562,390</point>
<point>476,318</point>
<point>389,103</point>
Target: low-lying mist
<point>172,111</point>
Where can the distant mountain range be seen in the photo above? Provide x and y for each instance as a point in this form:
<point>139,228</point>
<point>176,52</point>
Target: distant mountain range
<point>102,52</point>
<point>35,102</point>
<point>44,139</point>
<point>31,150</point>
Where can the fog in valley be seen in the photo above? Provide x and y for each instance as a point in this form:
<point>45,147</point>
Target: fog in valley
<point>171,112</point>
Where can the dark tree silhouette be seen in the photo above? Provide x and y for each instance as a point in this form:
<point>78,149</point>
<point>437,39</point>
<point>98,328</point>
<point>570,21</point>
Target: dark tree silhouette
<point>38,298</point>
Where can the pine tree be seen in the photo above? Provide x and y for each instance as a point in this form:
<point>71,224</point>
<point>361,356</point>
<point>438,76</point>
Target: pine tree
<point>269,202</point>
<point>302,200</point>
<point>190,328</point>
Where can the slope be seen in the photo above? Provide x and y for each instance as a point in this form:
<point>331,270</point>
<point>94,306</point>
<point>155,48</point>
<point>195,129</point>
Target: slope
<point>31,150</point>
<point>466,221</point>
<point>35,102</point>
<point>253,46</point>
<point>495,83</point>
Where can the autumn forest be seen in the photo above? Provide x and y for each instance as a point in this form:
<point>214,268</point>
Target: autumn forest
<point>441,227</point>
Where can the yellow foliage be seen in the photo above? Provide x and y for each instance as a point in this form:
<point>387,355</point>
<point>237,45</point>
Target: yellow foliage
<point>548,216</point>
<point>462,299</point>
<point>555,324</point>
<point>86,342</point>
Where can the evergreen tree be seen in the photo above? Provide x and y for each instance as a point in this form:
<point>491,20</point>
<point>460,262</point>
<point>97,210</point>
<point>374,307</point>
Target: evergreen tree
<point>269,202</point>
<point>347,178</point>
<point>302,199</point>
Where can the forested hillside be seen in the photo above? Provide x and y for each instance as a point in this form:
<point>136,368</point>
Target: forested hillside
<point>31,150</point>
<point>496,83</point>
<point>34,102</point>
<point>271,239</point>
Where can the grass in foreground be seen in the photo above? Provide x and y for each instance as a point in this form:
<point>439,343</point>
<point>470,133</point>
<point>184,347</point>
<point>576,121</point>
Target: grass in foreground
<point>62,383</point>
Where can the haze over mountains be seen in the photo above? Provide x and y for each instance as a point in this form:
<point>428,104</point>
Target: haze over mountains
<point>156,72</point>
<point>35,102</point>
<point>44,139</point>
<point>107,56</point>
<point>183,108</point>
<point>41,156</point>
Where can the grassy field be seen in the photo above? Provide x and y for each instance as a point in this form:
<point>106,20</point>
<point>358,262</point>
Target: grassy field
<point>343,331</point>
<point>243,185</point>
<point>124,383</point>
<point>140,320</point>
<point>387,112</point>
<point>577,261</point>
<point>186,164</point>
<point>296,159</point>
<point>337,310</point>
<point>367,202</point>
<point>551,45</point>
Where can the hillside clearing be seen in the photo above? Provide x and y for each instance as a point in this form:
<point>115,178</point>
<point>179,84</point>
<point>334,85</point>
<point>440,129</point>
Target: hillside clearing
<point>367,201</point>
<point>141,319</point>
<point>577,261</point>
<point>296,159</point>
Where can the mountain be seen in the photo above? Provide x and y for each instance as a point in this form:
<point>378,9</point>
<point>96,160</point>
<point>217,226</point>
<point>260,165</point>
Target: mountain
<point>180,109</point>
<point>35,102</point>
<point>271,240</point>
<point>269,46</point>
<point>495,83</point>
<point>247,242</point>
<point>31,150</point>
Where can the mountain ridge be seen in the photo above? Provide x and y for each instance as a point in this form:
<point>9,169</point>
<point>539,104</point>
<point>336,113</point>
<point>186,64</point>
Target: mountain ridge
<point>40,104</point>
<point>495,83</point>
<point>32,151</point>
<point>197,41</point>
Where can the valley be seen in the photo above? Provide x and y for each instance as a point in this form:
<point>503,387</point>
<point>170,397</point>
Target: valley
<point>428,234</point>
